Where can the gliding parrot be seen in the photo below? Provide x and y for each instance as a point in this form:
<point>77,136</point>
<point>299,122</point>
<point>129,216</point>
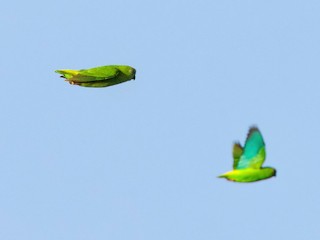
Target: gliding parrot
<point>103,76</point>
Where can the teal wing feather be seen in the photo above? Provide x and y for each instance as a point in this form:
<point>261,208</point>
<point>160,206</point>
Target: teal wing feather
<point>254,151</point>
<point>97,74</point>
<point>236,152</point>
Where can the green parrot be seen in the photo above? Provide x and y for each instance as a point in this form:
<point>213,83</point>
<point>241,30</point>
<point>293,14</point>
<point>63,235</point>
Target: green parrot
<point>103,76</point>
<point>247,163</point>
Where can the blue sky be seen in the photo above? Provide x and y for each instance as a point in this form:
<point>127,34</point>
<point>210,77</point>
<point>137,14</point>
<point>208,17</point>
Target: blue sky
<point>139,160</point>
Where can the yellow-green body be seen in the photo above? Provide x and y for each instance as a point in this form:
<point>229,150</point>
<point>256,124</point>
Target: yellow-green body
<point>249,175</point>
<point>103,76</point>
<point>247,165</point>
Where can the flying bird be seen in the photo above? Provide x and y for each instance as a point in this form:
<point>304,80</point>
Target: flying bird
<point>248,160</point>
<point>103,76</point>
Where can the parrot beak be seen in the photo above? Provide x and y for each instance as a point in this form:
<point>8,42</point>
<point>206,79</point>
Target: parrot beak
<point>133,71</point>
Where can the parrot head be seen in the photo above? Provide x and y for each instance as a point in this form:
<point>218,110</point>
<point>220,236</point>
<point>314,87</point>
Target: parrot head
<point>128,71</point>
<point>272,171</point>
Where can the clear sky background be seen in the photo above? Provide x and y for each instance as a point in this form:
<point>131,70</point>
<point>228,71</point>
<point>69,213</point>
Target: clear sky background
<point>139,160</point>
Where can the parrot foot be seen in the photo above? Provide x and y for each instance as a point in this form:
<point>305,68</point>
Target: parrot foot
<point>73,83</point>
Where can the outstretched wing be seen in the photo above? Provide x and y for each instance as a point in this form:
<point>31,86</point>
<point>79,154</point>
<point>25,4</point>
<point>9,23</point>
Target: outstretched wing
<point>254,151</point>
<point>236,152</point>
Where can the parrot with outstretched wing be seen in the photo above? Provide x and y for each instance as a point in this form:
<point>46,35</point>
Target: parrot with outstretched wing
<point>248,160</point>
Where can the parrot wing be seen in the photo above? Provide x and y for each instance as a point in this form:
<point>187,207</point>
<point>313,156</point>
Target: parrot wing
<point>90,75</point>
<point>96,74</point>
<point>254,153</point>
<point>237,152</point>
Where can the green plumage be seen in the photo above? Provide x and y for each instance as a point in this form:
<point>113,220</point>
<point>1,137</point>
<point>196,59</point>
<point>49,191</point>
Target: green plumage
<point>103,76</point>
<point>247,164</point>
